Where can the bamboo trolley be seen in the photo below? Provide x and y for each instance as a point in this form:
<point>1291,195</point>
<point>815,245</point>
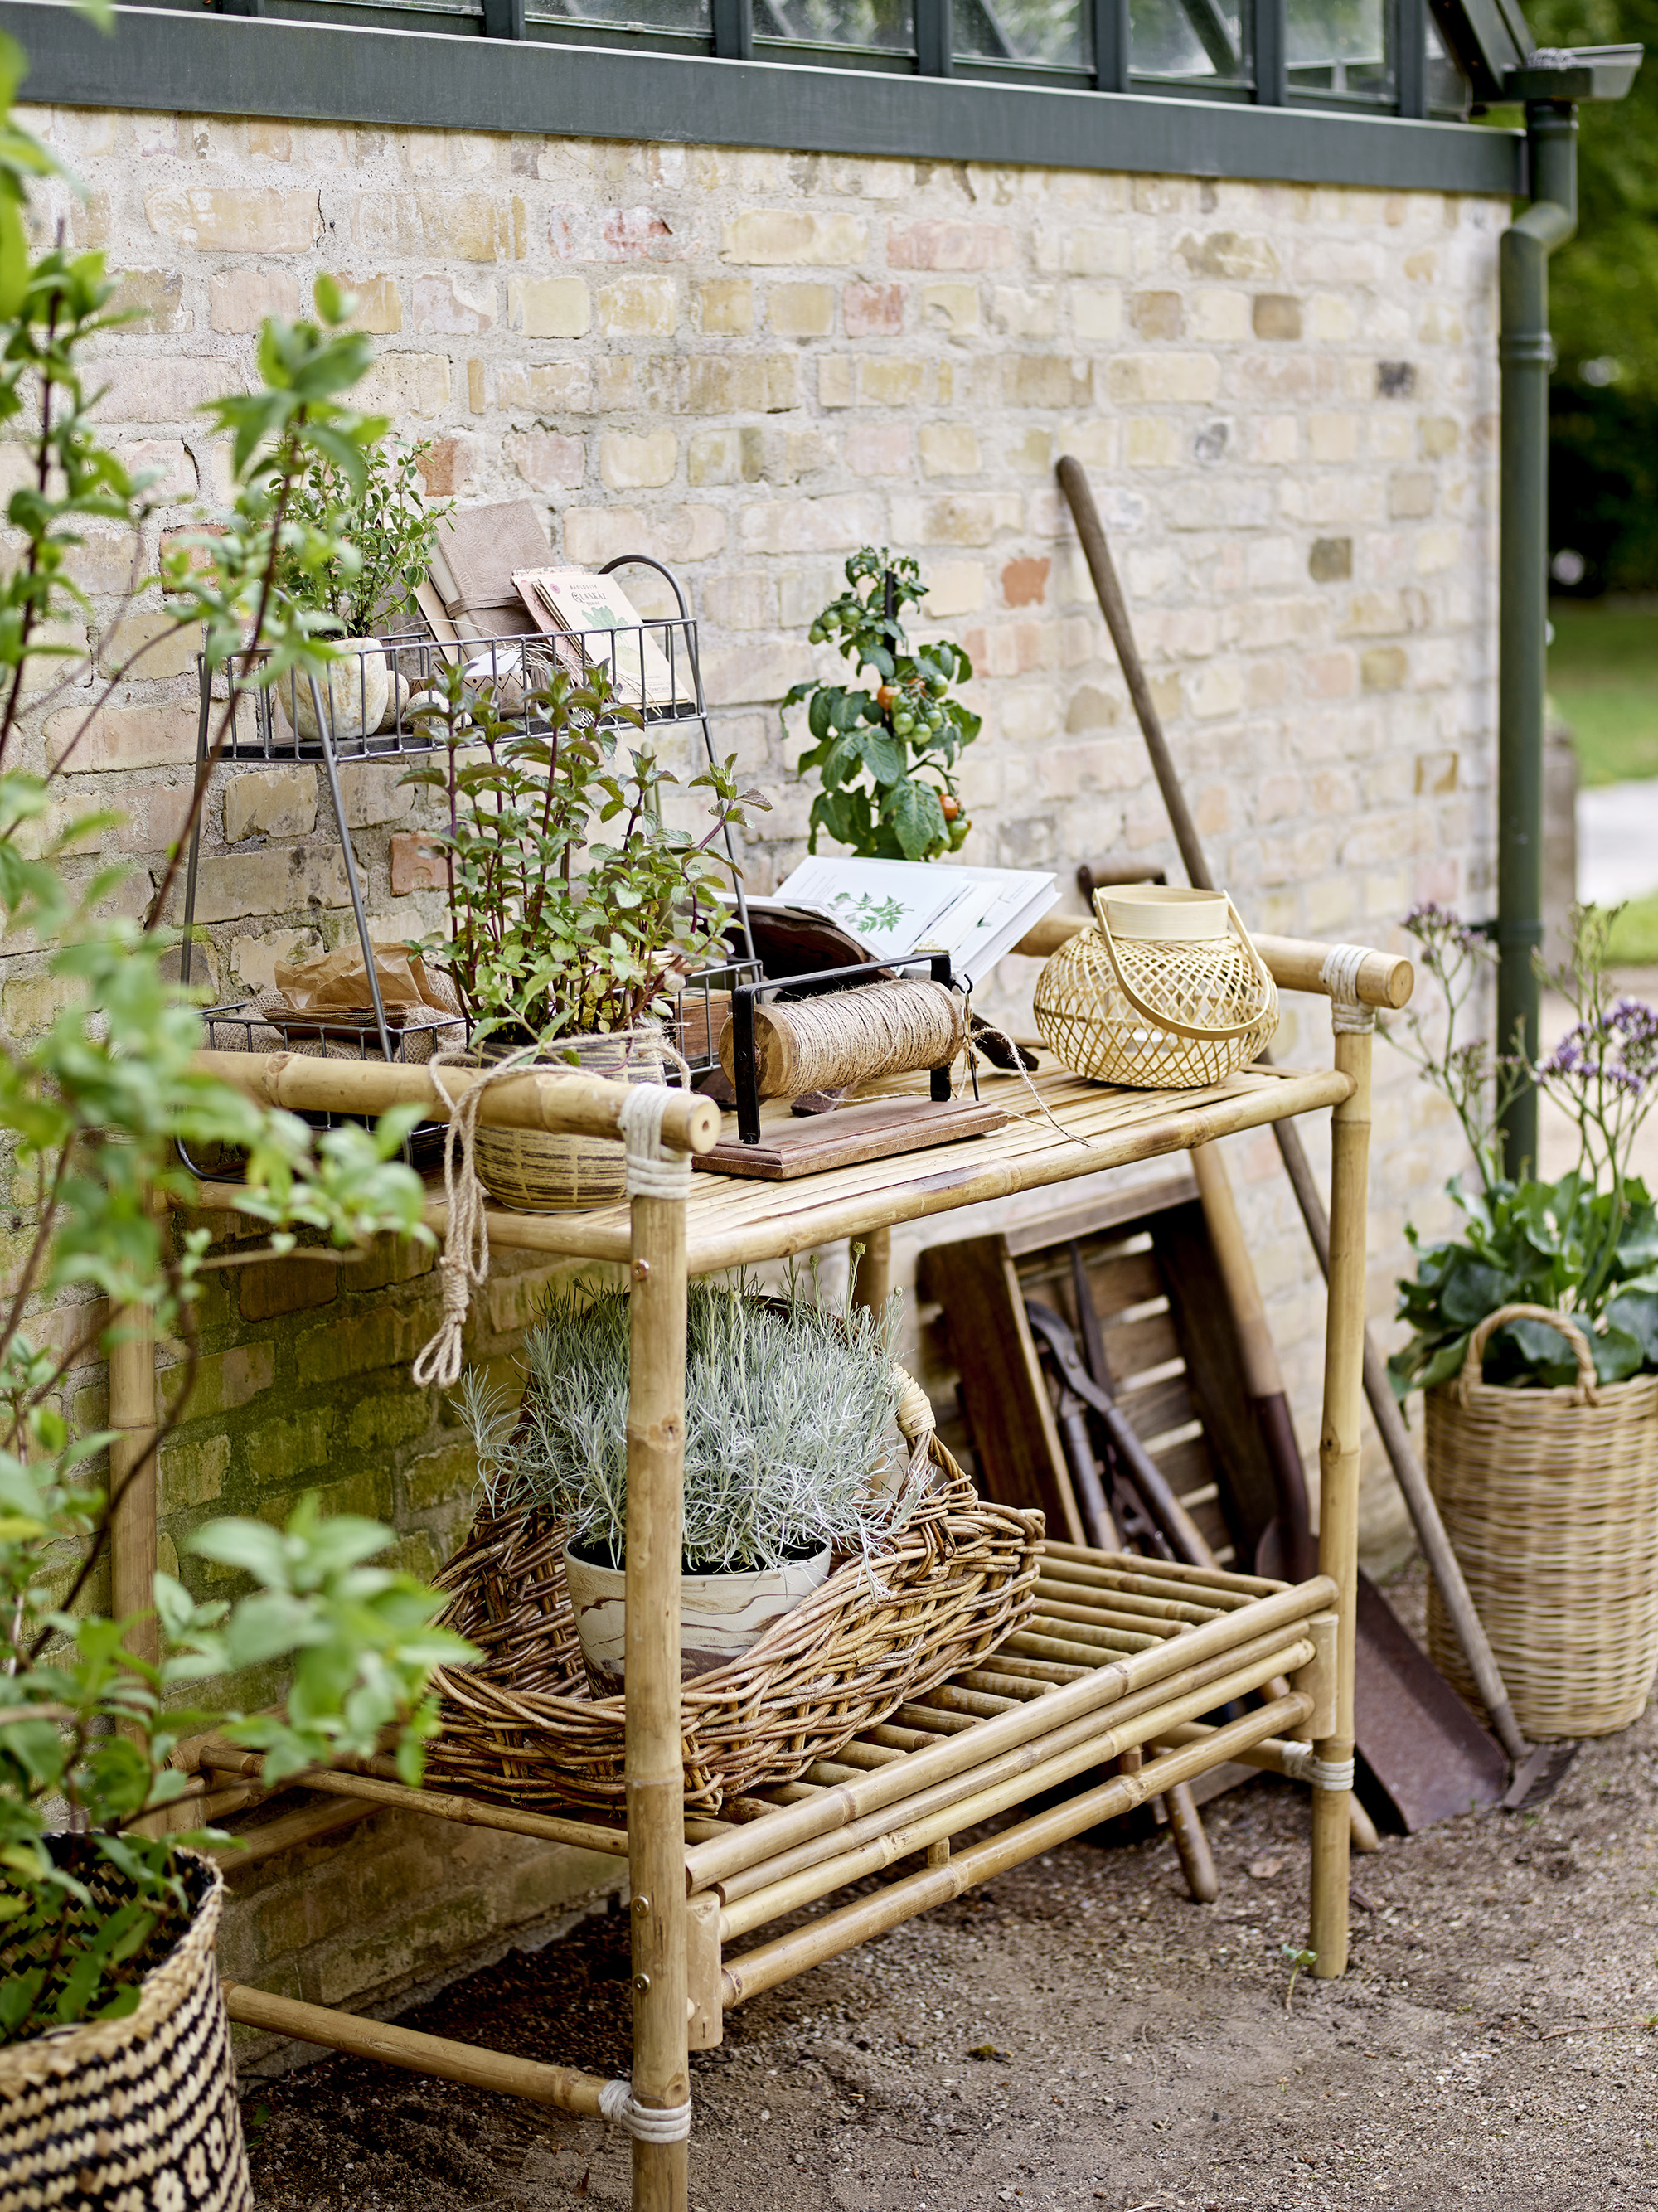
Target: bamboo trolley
<point>1110,1681</point>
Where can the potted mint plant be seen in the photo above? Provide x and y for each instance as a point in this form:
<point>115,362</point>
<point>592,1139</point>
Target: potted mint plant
<point>574,909</point>
<point>1535,1336</point>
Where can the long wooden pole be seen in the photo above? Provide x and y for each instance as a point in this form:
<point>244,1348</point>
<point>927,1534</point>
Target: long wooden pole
<point>655,1770</point>
<point>564,2087</point>
<point>1378,1388</point>
<point>1338,1448</point>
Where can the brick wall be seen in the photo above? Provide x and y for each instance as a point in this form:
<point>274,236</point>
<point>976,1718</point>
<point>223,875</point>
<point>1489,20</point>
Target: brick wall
<point>749,363</point>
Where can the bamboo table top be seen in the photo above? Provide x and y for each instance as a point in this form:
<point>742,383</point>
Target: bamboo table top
<point>733,1222</point>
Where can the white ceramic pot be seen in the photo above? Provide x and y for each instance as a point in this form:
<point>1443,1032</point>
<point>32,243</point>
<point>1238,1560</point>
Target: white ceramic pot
<point>354,690</point>
<point>720,1615</point>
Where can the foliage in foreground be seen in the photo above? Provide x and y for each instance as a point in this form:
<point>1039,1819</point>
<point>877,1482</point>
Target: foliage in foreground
<point>90,1113</point>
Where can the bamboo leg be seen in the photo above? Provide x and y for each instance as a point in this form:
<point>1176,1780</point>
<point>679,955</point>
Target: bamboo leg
<point>655,1774</point>
<point>1337,1459</point>
<point>872,1272</point>
<point>134,1491</point>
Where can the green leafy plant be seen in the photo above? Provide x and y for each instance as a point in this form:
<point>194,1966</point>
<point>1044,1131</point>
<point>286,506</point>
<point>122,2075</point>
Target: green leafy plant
<point>573,909</point>
<point>1585,1245</point>
<point>361,548</point>
<point>91,1111</point>
<point>886,758</point>
<point>789,1413</point>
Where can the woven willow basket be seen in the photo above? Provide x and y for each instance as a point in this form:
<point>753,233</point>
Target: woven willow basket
<point>1551,1501</point>
<point>1141,1000</point>
<point>133,2115</point>
<point>523,1724</point>
<point>539,1172</point>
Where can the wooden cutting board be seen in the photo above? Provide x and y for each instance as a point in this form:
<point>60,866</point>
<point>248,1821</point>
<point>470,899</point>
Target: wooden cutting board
<point>874,1131</point>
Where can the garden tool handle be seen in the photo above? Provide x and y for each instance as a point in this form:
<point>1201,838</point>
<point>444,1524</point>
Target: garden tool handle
<point>1473,1358</point>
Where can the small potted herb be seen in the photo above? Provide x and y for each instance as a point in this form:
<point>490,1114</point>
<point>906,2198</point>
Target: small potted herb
<point>352,559</point>
<point>886,755</point>
<point>790,1451</point>
<point>574,909</point>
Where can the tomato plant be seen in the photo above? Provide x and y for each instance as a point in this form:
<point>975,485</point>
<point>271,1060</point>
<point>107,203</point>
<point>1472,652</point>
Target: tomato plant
<point>886,758</point>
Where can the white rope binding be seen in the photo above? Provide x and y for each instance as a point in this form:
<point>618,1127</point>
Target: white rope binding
<point>644,2123</point>
<point>1330,1773</point>
<point>1339,976</point>
<point>653,1171</point>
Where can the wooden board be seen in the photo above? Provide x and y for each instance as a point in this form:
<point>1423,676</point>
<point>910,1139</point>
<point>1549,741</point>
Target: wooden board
<point>874,1131</point>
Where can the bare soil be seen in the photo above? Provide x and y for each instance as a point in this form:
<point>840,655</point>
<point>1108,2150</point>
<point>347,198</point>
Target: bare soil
<point>1079,2034</point>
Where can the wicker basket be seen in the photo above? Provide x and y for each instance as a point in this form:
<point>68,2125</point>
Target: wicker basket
<point>128,2115</point>
<point>522,1724</point>
<point>1551,1501</point>
<point>538,1171</point>
<point>1166,994</point>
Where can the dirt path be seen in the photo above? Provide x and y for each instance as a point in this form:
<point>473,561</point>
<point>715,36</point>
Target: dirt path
<point>1079,2034</point>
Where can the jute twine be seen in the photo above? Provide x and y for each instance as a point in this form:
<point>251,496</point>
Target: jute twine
<point>852,1038</point>
<point>464,1261</point>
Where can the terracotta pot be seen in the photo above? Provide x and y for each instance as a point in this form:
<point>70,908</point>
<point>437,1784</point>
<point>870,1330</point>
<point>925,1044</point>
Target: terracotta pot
<point>721,1615</point>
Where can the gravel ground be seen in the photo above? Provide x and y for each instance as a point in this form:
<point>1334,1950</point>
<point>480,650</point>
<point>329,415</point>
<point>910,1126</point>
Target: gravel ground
<point>1079,2034</point>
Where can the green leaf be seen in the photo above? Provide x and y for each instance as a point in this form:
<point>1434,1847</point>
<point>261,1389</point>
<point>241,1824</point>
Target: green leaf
<point>916,818</point>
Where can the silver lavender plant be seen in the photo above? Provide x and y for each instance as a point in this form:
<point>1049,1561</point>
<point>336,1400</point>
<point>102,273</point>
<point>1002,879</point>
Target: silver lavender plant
<point>790,1440</point>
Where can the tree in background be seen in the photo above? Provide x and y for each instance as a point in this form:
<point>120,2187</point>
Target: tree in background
<point>1603,490</point>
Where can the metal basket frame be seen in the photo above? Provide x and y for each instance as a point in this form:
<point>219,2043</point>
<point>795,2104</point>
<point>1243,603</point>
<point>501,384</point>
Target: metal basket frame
<point>418,656</point>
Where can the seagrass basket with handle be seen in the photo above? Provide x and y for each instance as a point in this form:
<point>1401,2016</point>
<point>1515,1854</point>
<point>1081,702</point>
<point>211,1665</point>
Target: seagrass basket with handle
<point>551,1171</point>
<point>1550,1497</point>
<point>523,1723</point>
<point>1165,992</point>
<point>133,2115</point>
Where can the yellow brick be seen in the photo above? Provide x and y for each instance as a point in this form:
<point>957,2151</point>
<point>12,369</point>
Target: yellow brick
<point>1436,435</point>
<point>402,384</point>
<point>727,384</point>
<point>767,238</point>
<point>726,305</point>
<point>639,306</point>
<point>1152,441</point>
<point>551,387</point>
<point>1097,311</point>
<point>889,380</point>
<point>834,380</point>
<point>949,449</point>
<point>150,645</point>
<point>219,219</point>
<point>239,300</point>
<point>1333,437</point>
<point>800,311</point>
<point>1178,378</point>
<point>1332,319</point>
<point>379,304</point>
<point>121,737</point>
<point>1219,315</point>
<point>278,802</point>
<point>630,464</point>
<point>952,307</point>
<point>1047,381</point>
<point>1384,668</point>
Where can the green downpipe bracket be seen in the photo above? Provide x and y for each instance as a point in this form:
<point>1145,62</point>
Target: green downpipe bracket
<point>1526,355</point>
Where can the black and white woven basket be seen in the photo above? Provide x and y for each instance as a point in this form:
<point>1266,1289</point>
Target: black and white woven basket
<point>133,2115</point>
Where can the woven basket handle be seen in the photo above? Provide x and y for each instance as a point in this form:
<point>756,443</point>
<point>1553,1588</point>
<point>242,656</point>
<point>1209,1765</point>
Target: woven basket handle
<point>916,1419</point>
<point>1473,1358</point>
<point>1162,1021</point>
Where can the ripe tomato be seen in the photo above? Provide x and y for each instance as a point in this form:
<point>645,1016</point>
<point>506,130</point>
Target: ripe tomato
<point>948,807</point>
<point>887,696</point>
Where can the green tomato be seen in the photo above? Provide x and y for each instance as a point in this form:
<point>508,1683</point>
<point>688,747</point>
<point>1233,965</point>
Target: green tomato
<point>937,686</point>
<point>903,722</point>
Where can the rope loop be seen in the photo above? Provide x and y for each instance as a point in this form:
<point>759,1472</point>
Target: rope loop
<point>465,1259</point>
<point>1329,1773</point>
<point>644,2123</point>
<point>653,1171</point>
<point>1349,1015</point>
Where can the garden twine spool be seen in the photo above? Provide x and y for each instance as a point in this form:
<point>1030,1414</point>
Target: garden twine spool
<point>856,1037</point>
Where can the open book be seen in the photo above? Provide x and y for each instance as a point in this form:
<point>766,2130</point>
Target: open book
<point>898,907</point>
<point>648,665</point>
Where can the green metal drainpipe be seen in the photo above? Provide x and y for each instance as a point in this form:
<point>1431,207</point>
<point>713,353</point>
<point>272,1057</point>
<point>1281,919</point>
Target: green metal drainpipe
<point>1526,354</point>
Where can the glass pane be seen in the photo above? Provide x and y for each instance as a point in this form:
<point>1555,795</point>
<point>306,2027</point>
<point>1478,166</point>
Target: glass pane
<point>1448,89</point>
<point>1024,31</point>
<point>1339,46</point>
<point>1188,38</point>
<point>884,23</point>
<point>690,15</point>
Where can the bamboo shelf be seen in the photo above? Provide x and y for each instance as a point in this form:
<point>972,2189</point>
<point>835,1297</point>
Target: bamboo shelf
<point>1116,1687</point>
